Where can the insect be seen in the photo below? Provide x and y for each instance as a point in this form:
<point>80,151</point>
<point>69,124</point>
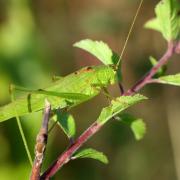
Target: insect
<point>69,91</point>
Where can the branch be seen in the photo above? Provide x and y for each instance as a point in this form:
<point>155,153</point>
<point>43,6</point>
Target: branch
<point>177,48</point>
<point>95,127</point>
<point>66,156</point>
<point>148,77</point>
<point>41,142</point>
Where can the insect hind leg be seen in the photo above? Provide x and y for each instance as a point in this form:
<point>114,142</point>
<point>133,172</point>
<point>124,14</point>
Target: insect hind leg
<point>11,91</point>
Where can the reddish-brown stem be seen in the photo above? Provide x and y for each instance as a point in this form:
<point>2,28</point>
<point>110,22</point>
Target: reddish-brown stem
<point>121,88</point>
<point>66,156</point>
<point>177,48</point>
<point>146,79</point>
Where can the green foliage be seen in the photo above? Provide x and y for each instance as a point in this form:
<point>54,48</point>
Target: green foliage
<point>161,71</point>
<point>87,82</point>
<point>167,19</point>
<point>99,49</point>
<point>66,122</point>
<point>91,153</point>
<point>118,105</point>
<point>137,125</point>
<point>170,79</point>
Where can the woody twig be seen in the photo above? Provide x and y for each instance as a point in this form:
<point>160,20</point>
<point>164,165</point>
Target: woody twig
<point>41,142</point>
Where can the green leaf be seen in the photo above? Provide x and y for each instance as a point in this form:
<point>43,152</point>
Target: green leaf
<point>99,49</point>
<point>153,60</point>
<point>91,153</point>
<point>67,123</point>
<point>118,105</point>
<point>139,128</point>
<point>170,79</point>
<point>167,19</point>
<point>69,91</point>
<point>137,125</point>
<point>153,24</point>
<point>161,71</point>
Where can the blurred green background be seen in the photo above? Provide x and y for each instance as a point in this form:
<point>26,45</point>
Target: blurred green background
<point>36,40</point>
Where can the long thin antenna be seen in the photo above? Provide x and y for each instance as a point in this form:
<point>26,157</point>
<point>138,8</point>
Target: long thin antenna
<point>130,31</point>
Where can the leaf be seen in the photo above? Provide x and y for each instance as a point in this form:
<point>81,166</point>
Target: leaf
<point>170,79</point>
<point>67,123</point>
<point>118,105</point>
<point>69,91</point>
<point>99,49</point>
<point>139,128</point>
<point>161,71</point>
<point>153,24</point>
<point>137,125</point>
<point>167,19</point>
<point>91,153</point>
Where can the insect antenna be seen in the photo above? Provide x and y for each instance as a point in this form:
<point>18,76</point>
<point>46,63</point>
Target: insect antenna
<point>129,33</point>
